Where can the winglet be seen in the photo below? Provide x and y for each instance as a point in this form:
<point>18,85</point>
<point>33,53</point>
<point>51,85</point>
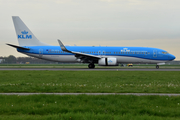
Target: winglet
<point>63,48</point>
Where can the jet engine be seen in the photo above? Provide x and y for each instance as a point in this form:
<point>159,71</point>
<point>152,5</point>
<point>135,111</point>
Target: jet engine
<point>107,62</point>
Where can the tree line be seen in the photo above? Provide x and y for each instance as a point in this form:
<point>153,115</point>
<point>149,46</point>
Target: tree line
<point>23,60</point>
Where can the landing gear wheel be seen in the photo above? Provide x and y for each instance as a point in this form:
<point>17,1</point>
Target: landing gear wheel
<point>91,66</point>
<point>157,66</point>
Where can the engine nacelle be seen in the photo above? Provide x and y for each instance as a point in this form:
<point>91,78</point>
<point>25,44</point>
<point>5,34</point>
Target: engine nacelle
<point>108,62</point>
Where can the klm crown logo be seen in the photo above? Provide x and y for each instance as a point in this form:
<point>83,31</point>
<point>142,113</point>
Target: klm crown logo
<point>24,35</point>
<point>24,32</point>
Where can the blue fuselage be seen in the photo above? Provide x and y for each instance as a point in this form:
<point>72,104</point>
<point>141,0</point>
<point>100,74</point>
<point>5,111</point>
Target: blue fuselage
<point>128,54</point>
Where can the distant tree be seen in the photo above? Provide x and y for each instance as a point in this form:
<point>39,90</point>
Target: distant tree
<point>22,60</point>
<point>10,59</point>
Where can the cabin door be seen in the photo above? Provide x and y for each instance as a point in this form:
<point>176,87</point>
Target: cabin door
<point>40,52</point>
<point>154,53</point>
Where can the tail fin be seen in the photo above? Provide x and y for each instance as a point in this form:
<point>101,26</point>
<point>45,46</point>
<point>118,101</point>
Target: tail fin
<point>24,35</point>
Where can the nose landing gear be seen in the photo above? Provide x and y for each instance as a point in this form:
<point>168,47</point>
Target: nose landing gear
<point>157,66</point>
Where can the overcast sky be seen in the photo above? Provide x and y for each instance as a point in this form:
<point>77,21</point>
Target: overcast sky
<point>146,23</point>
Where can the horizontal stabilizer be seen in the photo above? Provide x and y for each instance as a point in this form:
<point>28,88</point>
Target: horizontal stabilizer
<point>18,47</point>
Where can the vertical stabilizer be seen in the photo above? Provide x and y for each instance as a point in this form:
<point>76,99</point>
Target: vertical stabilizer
<point>24,35</point>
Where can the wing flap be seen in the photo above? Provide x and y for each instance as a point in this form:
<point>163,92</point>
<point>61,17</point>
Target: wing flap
<point>88,55</point>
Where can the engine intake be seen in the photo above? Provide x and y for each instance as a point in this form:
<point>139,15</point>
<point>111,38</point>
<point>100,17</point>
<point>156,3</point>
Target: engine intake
<point>107,62</point>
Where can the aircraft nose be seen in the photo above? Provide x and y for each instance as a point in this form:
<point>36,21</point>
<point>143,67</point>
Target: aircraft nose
<point>172,57</point>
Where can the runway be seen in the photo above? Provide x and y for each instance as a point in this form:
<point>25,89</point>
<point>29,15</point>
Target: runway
<point>136,94</point>
<point>96,69</point>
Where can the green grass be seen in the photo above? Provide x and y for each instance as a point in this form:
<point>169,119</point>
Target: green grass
<point>84,107</point>
<point>89,107</point>
<point>90,81</point>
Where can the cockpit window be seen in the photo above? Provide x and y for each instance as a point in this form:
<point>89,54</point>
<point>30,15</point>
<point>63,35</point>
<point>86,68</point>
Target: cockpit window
<point>164,52</point>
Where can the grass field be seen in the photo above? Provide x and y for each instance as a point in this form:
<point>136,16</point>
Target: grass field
<point>83,107</point>
<point>113,107</point>
<point>90,81</point>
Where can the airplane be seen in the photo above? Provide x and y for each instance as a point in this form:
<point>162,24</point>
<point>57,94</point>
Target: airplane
<point>103,56</point>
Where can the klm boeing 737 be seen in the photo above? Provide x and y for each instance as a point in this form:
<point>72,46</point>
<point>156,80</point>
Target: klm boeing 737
<point>103,56</point>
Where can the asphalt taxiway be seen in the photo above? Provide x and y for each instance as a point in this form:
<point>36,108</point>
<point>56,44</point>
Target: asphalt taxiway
<point>96,69</point>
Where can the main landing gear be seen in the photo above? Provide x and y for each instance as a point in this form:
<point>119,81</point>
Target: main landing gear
<point>157,66</point>
<point>91,66</point>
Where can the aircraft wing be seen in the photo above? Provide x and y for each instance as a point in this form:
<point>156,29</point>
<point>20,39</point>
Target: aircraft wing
<point>77,54</point>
